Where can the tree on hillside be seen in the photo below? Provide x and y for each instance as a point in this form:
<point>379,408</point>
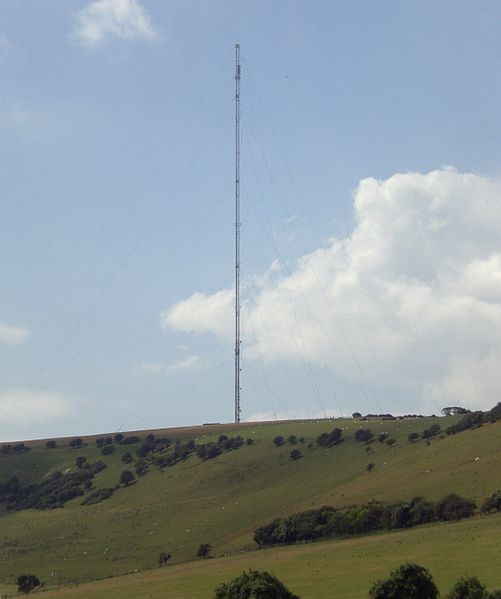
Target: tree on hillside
<point>27,582</point>
<point>409,581</point>
<point>76,443</point>
<point>80,461</point>
<point>292,439</point>
<point>163,558</point>
<point>413,437</point>
<point>278,440</point>
<point>370,467</point>
<point>454,507</point>
<point>126,458</point>
<point>254,585</point>
<point>204,550</point>
<point>468,587</point>
<point>50,444</point>
<point>364,435</point>
<point>356,415</point>
<point>382,437</point>
<point>118,438</point>
<point>295,455</point>
<point>126,477</point>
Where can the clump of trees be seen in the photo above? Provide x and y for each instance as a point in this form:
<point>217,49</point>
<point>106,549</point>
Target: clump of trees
<point>52,492</point>
<point>411,581</point>
<point>16,449</point>
<point>492,503</point>
<point>254,585</point>
<point>328,522</point>
<point>127,478</point>
<point>330,439</point>
<point>364,435</point>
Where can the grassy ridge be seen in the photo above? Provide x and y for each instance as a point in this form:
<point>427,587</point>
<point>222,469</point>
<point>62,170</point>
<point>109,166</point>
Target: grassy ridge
<point>221,501</point>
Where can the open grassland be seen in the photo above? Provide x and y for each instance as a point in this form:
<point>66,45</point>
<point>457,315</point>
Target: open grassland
<point>221,501</point>
<point>342,569</point>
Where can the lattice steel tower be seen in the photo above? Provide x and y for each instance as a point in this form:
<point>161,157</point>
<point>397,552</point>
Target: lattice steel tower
<point>237,233</point>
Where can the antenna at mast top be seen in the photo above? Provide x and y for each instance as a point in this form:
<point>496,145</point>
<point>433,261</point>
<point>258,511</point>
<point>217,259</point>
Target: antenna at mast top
<point>237,233</point>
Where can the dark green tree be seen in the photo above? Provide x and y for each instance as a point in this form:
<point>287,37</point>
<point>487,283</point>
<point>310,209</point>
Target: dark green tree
<point>295,455</point>
<point>76,443</point>
<point>278,440</point>
<point>370,467</point>
<point>364,435</point>
<point>126,477</point>
<point>50,444</point>
<point>413,437</point>
<point>408,581</point>
<point>468,587</point>
<point>27,582</point>
<point>254,585</point>
<point>80,461</point>
<point>204,550</point>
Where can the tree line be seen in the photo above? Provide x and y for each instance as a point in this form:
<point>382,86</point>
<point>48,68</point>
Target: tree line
<point>329,522</point>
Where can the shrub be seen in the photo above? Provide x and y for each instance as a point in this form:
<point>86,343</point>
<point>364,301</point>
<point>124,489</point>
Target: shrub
<point>295,455</point>
<point>278,440</point>
<point>80,461</point>
<point>409,581</point>
<point>370,467</point>
<point>118,438</point>
<point>413,437</point>
<point>108,450</point>
<point>204,550</point>
<point>254,585</point>
<point>391,442</point>
<point>126,458</point>
<point>50,444</point>
<point>382,437</point>
<point>292,439</point>
<point>249,441</point>
<point>76,443</point>
<point>27,582</point>
<point>492,503</point>
<point>126,477</point>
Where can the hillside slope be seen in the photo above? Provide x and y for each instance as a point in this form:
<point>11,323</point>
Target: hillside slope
<point>221,501</point>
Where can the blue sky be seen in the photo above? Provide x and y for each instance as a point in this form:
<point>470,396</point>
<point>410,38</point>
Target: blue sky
<point>371,208</point>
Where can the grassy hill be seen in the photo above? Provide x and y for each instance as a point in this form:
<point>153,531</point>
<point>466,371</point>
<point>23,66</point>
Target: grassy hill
<point>221,501</point>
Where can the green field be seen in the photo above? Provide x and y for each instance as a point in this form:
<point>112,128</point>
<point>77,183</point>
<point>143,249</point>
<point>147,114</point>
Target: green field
<point>221,501</point>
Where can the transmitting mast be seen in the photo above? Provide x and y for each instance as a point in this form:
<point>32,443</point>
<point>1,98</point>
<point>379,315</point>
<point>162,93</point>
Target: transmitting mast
<point>237,233</point>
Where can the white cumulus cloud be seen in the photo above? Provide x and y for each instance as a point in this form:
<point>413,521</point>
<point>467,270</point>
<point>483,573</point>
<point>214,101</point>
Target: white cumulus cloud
<point>13,335</point>
<point>412,296</point>
<point>125,19</point>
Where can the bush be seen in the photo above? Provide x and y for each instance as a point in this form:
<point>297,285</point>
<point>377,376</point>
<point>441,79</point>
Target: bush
<point>204,550</point>
<point>126,458</point>
<point>50,444</point>
<point>413,437</point>
<point>108,450</point>
<point>278,440</point>
<point>254,585</point>
<point>295,455</point>
<point>126,478</point>
<point>76,443</point>
<point>468,588</point>
<point>292,439</point>
<point>382,437</point>
<point>370,467</point>
<point>409,581</point>
<point>27,582</point>
<point>492,503</point>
